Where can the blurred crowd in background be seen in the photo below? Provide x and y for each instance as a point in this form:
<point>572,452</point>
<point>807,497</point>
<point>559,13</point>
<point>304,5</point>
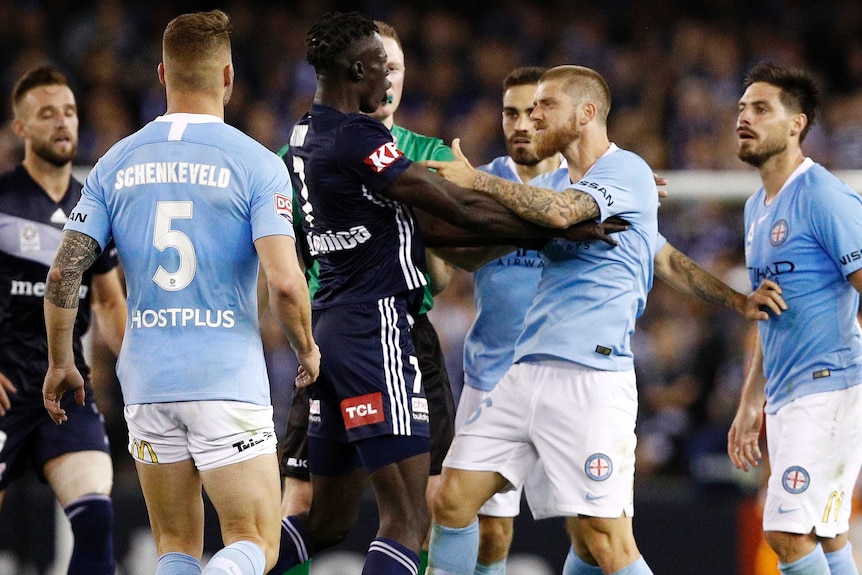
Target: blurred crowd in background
<point>675,69</point>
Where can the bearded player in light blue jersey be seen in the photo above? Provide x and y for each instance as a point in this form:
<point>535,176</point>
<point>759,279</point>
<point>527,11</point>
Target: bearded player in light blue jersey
<point>546,349</point>
<point>193,206</point>
<point>802,231</point>
<point>568,360</point>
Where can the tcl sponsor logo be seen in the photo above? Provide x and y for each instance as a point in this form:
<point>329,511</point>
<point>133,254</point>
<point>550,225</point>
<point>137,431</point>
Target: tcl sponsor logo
<point>362,410</point>
<point>284,206</point>
<point>383,157</point>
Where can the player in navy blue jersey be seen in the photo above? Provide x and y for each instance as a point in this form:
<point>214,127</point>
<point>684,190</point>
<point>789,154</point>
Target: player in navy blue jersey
<point>36,198</point>
<point>368,411</point>
<point>802,231</point>
<point>195,207</point>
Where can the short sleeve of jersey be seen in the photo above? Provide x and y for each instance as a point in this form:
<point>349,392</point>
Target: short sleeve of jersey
<point>835,216</point>
<point>660,242</point>
<point>90,216</point>
<point>367,148</point>
<point>616,184</point>
<point>107,260</point>
<point>271,200</point>
<point>442,152</point>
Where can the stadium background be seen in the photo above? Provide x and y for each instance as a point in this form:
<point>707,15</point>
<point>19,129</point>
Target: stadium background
<point>675,70</point>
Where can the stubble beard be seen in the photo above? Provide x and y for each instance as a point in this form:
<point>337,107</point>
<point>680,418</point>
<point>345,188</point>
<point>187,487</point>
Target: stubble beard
<point>54,156</point>
<point>523,156</point>
<point>758,157</point>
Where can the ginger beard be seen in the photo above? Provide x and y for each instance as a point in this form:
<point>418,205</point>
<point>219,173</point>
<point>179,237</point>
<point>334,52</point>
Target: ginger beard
<point>58,150</point>
<point>549,141</point>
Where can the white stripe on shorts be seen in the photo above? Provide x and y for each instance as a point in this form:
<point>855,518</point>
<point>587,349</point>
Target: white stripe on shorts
<point>393,367</point>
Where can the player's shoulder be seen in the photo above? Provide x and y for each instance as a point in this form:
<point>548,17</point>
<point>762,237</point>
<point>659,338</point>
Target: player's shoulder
<point>11,180</point>
<point>358,121</point>
<point>555,179</point>
<point>821,189</point>
<point>17,189</point>
<point>402,133</point>
<point>620,157</point>
<point>502,166</point>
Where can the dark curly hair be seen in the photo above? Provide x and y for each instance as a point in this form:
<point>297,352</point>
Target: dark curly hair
<point>328,39</point>
<point>799,92</point>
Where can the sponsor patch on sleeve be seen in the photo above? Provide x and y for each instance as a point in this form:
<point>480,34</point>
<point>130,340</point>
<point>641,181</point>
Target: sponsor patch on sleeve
<point>284,206</point>
<point>383,157</point>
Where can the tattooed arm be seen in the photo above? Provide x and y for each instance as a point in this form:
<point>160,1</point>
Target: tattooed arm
<point>684,275</point>
<point>76,253</point>
<point>537,205</point>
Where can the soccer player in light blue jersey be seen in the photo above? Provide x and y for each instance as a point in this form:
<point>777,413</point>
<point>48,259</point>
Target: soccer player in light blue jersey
<point>802,231</point>
<point>194,206</point>
<point>557,346</point>
<point>570,399</point>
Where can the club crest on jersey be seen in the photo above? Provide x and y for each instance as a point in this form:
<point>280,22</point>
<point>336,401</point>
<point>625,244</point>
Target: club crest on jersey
<point>28,238</point>
<point>795,480</point>
<point>598,467</point>
<point>383,157</point>
<point>284,206</point>
<point>778,233</point>
<point>362,410</point>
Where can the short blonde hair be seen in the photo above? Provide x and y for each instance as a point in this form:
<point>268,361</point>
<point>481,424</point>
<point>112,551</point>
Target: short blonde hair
<point>583,84</point>
<point>195,46</point>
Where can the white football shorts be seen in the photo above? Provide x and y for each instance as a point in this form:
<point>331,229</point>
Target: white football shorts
<point>815,454</point>
<point>577,421</point>
<point>505,503</point>
<point>212,433</point>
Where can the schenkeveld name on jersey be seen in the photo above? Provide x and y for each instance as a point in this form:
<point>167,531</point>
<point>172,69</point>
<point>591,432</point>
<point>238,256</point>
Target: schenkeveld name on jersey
<point>182,317</point>
<point>172,173</point>
<point>337,241</point>
<point>37,289</point>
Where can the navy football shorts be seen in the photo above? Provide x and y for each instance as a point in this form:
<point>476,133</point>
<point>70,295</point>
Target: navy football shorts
<point>28,436</point>
<point>369,384</point>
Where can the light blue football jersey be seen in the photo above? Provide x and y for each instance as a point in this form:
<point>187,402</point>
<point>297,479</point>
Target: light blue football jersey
<point>808,240</point>
<point>503,289</point>
<point>591,293</point>
<point>184,199</point>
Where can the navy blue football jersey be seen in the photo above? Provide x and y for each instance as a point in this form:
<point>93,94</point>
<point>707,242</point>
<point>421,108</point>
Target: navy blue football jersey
<point>31,226</point>
<point>369,247</point>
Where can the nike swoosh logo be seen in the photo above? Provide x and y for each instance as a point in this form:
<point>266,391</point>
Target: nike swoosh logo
<point>591,497</point>
<point>761,218</point>
<point>784,511</point>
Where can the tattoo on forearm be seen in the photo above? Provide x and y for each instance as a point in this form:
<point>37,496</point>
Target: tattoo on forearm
<point>536,204</point>
<point>76,253</point>
<point>703,285</point>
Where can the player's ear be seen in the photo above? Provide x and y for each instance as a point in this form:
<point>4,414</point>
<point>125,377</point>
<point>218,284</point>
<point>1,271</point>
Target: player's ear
<point>18,128</point>
<point>798,124</point>
<point>162,73</point>
<point>357,70</point>
<point>228,75</point>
